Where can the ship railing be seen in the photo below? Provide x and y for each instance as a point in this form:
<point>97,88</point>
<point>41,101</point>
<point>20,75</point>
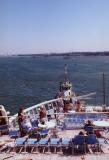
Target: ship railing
<point>33,111</point>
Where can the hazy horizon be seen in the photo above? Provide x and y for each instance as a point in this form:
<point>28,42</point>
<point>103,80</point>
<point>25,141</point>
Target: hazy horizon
<point>48,26</point>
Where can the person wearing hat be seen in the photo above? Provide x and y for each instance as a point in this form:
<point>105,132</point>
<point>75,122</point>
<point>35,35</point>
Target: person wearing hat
<point>42,114</point>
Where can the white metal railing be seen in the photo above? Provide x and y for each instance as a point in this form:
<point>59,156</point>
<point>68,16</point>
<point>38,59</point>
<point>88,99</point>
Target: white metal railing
<point>13,119</point>
<point>34,107</point>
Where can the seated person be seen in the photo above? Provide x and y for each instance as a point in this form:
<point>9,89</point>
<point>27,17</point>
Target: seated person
<point>79,136</point>
<point>81,133</point>
<point>53,133</point>
<point>98,134</point>
<point>79,142</point>
<point>89,127</point>
<point>91,138</point>
<point>34,122</point>
<point>26,125</point>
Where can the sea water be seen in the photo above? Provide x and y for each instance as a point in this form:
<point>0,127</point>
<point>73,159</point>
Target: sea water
<point>26,81</point>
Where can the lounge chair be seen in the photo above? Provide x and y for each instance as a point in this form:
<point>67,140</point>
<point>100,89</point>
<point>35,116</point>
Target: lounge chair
<point>102,142</point>
<point>20,143</point>
<point>4,128</point>
<point>34,123</point>
<point>2,146</point>
<point>78,144</point>
<point>43,133</point>
<point>43,144</point>
<point>31,144</point>
<point>92,143</point>
<point>14,134</point>
<point>55,144</point>
<point>66,144</point>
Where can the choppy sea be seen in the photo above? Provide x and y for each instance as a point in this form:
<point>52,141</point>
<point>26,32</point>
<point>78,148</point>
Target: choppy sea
<point>26,81</point>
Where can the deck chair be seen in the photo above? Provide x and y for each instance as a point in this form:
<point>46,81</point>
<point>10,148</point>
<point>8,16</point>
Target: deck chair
<point>43,133</point>
<point>55,144</point>
<point>31,144</point>
<point>107,140</point>
<point>34,123</point>
<point>106,131</point>
<point>78,144</point>
<point>20,143</point>
<point>66,144</point>
<point>92,143</point>
<point>102,143</point>
<point>4,128</point>
<point>43,144</point>
<point>14,134</point>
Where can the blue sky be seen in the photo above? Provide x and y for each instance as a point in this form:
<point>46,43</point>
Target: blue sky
<point>40,26</point>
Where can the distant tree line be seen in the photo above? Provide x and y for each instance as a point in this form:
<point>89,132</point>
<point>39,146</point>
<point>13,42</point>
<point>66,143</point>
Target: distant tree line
<point>105,53</point>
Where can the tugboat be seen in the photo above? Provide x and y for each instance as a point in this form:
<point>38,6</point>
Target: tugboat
<point>70,100</point>
<point>66,92</point>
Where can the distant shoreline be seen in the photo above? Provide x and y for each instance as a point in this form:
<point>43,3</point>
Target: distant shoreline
<point>65,55</point>
<point>68,54</point>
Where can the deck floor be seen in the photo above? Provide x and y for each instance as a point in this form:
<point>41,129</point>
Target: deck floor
<point>49,156</point>
<point>52,156</point>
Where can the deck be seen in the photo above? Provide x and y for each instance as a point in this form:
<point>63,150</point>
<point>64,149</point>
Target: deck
<point>52,156</point>
<point>48,156</point>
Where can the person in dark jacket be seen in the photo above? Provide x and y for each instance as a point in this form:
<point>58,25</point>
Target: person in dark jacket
<point>21,117</point>
<point>89,127</point>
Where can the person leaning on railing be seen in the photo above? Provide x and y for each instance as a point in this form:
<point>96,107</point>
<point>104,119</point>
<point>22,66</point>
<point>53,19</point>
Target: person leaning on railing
<point>21,118</point>
<point>26,126</point>
<point>42,114</point>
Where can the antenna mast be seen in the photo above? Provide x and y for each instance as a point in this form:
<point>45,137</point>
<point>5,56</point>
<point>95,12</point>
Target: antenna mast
<point>66,72</point>
<point>104,92</point>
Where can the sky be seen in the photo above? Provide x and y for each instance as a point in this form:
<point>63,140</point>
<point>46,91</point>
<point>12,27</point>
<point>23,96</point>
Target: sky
<point>48,26</point>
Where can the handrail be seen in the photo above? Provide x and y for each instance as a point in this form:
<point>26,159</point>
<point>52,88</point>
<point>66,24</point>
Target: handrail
<point>50,101</point>
<point>42,103</point>
<point>36,106</point>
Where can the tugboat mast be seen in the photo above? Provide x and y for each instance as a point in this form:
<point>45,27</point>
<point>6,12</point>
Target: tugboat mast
<point>104,91</point>
<point>66,72</point>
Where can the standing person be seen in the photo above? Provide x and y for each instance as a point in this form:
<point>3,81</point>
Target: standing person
<point>21,117</point>
<point>89,127</point>
<point>78,106</point>
<point>42,114</point>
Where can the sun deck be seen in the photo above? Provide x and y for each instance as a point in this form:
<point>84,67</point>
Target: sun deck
<point>72,123</point>
<point>54,156</point>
